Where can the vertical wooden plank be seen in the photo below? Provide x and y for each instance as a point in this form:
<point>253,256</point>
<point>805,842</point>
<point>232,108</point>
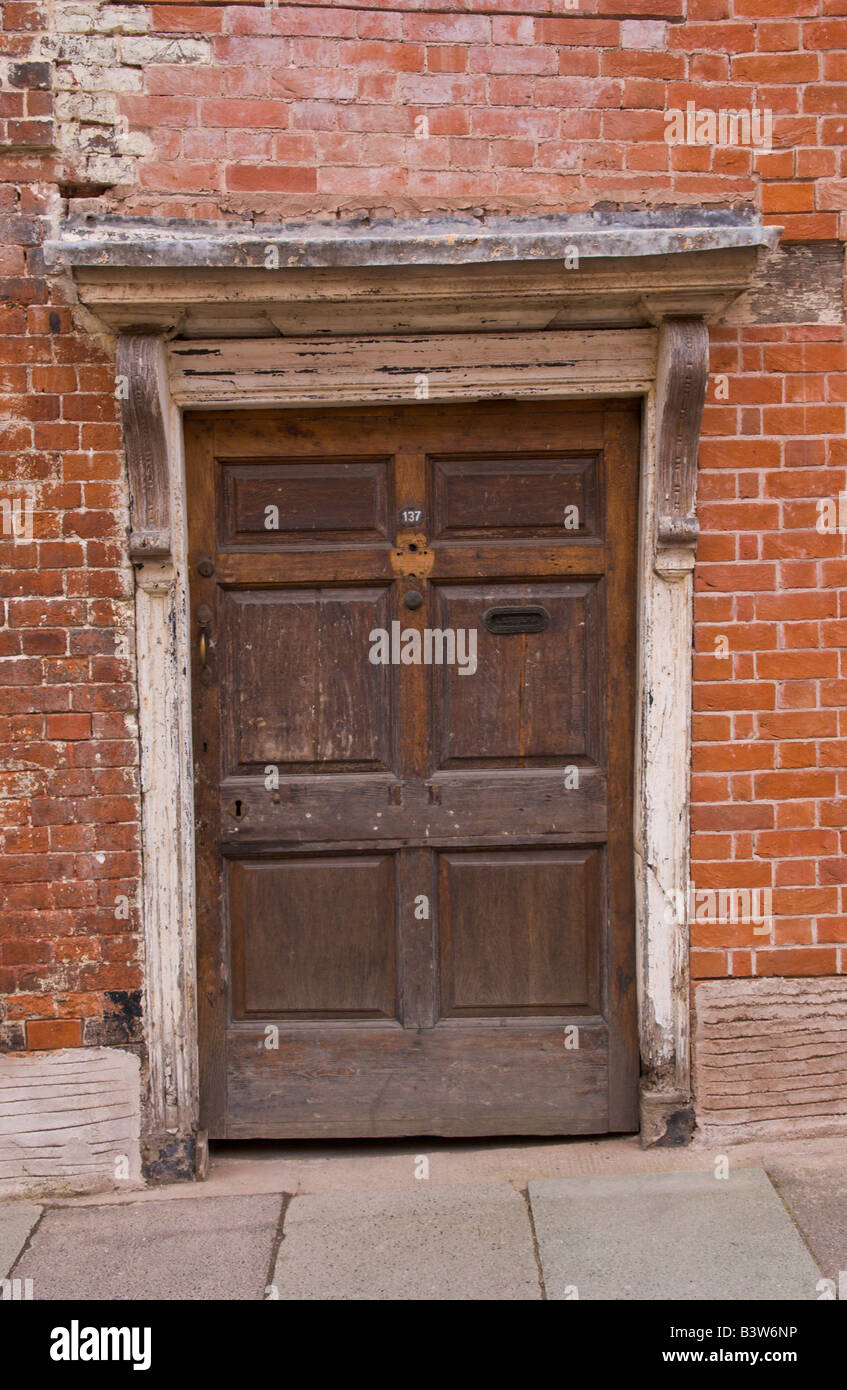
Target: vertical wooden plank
<point>620,463</point>
<point>411,682</point>
<point>212,982</point>
<point>417,938</point>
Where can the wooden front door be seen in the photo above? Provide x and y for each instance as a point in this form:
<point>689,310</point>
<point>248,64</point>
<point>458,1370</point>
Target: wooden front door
<point>413,675</point>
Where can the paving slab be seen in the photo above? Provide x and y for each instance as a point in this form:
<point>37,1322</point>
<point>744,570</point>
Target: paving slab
<point>815,1192</point>
<point>174,1250</point>
<point>471,1241</point>
<point>16,1221</point>
<point>670,1236</point>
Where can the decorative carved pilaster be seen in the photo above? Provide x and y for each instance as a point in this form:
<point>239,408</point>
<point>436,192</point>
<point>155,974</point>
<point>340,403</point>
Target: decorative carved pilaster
<point>683,371</point>
<point>141,370</point>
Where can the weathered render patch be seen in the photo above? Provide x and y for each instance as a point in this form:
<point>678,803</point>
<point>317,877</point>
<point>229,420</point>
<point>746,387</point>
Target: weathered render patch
<point>98,53</point>
<point>770,1059</point>
<point>70,1121</point>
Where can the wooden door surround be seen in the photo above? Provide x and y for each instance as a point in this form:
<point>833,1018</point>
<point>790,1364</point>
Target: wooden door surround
<point>667,369</point>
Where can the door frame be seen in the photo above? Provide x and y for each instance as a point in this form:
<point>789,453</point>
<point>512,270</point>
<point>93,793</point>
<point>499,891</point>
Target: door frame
<point>666,365</point>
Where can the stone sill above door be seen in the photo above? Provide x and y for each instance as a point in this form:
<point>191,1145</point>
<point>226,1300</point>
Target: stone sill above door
<point>211,279</point>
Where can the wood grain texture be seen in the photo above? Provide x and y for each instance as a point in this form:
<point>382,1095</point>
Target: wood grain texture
<point>385,367</point>
<point>476,498</point>
<point>141,372</point>
<point>212,961</point>
<point>518,932</point>
<point>203,301</point>
<point>306,967</point>
<point>513,1078</point>
<point>681,393</point>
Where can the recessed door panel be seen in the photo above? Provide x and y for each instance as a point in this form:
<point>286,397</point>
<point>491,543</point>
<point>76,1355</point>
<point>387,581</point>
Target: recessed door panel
<point>292,503</point>
<point>313,938</point>
<point>529,497</point>
<point>302,689</point>
<point>526,700</point>
<point>519,931</point>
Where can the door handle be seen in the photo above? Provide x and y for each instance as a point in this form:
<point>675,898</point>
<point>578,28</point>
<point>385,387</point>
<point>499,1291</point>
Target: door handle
<point>502,621</point>
<point>204,619</point>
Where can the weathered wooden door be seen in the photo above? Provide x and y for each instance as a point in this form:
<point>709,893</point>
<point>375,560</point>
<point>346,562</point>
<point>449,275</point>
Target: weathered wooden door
<point>413,675</point>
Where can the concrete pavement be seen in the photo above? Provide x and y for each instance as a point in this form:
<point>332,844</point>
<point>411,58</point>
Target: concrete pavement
<point>677,1236</point>
<point>520,1221</point>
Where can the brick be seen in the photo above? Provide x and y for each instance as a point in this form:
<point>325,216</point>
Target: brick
<point>830,33</point>
<point>148,111</point>
<point>30,75</point>
<point>820,960</point>
<point>179,175</point>
<point>812,724</point>
<point>68,726</point>
<point>659,9</point>
<point>245,114</point>
<point>786,844</point>
<point>446,58</point>
<point>260,178</point>
<point>806,227</point>
<point>785,785</point>
<point>591,33</point>
<point>728,695</point>
<point>740,453</point>
<point>191,19</point>
<point>47,1033</point>
<point>788,197</point>
<point>728,817</point>
<point>533,59</point>
<point>385,57</point>
<point>708,965</point>
<point>443,28</point>
<point>783,67</point>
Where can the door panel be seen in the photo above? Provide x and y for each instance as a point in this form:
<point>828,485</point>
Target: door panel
<point>526,497</point>
<point>527,698</point>
<point>415,876</point>
<point>313,938</point>
<point>291,701</point>
<point>289,503</point>
<point>490,962</point>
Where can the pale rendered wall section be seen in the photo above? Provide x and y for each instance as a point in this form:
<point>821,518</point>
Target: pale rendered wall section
<point>770,1059</point>
<point>69,1121</point>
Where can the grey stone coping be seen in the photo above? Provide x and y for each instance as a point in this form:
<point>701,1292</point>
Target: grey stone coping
<point>117,242</point>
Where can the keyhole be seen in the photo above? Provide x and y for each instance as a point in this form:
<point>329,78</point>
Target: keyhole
<point>239,809</point>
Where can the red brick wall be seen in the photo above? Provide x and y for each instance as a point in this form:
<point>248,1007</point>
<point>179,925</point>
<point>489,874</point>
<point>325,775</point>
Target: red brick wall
<point>305,108</point>
<point>241,110</point>
<point>771,752</point>
<point>69,967</point>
